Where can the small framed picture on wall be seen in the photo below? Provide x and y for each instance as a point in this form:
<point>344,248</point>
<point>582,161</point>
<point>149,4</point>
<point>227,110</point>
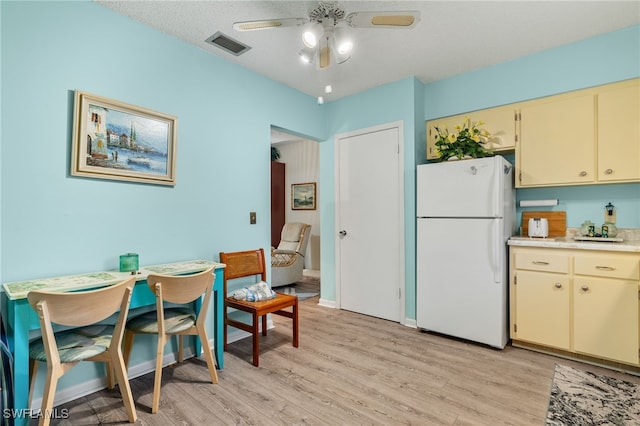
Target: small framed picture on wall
<point>303,196</point>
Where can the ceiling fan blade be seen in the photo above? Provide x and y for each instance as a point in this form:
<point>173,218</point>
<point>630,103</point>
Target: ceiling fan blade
<point>324,54</point>
<point>404,19</point>
<point>268,24</point>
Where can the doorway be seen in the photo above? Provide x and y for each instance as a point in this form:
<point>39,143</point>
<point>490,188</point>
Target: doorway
<point>370,221</point>
<point>300,160</point>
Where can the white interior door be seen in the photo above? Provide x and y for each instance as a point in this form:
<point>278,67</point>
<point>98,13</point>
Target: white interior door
<point>369,222</point>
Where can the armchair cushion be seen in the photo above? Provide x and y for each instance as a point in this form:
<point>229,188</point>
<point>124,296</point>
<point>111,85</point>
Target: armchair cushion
<point>287,261</point>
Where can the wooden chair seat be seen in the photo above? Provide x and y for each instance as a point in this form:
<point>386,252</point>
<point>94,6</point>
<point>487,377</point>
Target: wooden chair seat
<point>251,263</point>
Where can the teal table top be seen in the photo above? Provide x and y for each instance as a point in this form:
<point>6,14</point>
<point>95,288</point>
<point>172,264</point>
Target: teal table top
<point>19,289</point>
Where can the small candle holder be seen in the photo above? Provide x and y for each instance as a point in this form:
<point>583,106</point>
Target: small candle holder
<point>129,263</point>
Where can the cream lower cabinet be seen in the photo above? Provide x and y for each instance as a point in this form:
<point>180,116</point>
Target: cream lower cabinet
<point>543,309</point>
<point>579,301</point>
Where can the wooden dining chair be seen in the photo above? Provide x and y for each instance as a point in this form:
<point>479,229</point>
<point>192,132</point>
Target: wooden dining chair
<point>89,341</point>
<point>180,320</point>
<point>251,263</point>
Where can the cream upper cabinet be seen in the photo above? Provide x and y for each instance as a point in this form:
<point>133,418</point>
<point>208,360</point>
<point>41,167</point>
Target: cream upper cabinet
<point>619,133</point>
<point>500,122</point>
<point>557,140</point>
<point>583,137</point>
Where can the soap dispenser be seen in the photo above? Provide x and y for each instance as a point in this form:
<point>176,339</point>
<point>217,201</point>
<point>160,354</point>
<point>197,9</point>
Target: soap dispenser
<point>609,227</point>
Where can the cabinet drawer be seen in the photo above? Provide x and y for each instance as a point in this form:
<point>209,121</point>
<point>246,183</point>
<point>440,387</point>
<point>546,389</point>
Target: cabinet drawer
<point>618,266</point>
<point>543,261</point>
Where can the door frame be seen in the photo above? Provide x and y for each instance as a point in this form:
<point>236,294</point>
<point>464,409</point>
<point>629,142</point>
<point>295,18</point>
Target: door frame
<point>399,125</point>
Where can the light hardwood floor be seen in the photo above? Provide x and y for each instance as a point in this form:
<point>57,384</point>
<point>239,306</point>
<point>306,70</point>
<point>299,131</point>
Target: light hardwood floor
<point>350,369</point>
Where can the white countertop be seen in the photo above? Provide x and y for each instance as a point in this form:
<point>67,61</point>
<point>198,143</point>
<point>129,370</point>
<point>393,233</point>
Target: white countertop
<point>569,243</point>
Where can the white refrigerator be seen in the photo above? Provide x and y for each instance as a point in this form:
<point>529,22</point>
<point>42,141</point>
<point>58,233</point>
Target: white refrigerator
<point>465,215</point>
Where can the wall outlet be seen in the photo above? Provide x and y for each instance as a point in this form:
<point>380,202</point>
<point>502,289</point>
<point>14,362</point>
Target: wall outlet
<point>252,218</point>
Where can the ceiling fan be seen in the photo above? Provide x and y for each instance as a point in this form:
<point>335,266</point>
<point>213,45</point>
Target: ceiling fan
<point>326,31</point>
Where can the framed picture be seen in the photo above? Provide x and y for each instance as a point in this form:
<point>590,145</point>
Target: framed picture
<point>303,196</point>
<point>114,140</point>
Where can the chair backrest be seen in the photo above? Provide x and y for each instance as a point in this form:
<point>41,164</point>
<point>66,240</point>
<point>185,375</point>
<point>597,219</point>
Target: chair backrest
<point>295,237</point>
<point>82,308</point>
<point>182,289</point>
<point>243,264</point>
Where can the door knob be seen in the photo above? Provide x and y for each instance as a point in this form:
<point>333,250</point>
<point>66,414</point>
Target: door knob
<point>343,233</point>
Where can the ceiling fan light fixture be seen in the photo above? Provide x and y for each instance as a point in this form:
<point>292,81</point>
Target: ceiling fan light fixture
<point>307,55</point>
<point>343,43</point>
<point>311,34</point>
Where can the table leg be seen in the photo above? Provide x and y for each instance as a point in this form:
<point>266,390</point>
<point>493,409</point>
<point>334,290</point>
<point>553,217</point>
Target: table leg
<point>20,319</point>
<point>218,314</point>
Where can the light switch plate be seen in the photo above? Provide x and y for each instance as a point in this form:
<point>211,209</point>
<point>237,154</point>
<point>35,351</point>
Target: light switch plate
<point>252,218</point>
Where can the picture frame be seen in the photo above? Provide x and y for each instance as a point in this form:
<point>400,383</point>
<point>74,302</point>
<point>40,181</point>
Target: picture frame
<point>303,196</point>
<point>119,141</point>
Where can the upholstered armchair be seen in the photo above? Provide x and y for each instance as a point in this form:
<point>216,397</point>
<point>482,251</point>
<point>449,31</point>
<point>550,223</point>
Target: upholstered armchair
<point>287,261</point>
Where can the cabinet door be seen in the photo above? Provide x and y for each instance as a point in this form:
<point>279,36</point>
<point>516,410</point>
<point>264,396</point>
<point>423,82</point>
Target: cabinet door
<point>605,318</point>
<point>500,122</point>
<point>542,308</point>
<point>557,141</point>
<point>619,133</point>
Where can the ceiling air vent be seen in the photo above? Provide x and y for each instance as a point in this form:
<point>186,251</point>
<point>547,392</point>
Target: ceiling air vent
<point>228,44</point>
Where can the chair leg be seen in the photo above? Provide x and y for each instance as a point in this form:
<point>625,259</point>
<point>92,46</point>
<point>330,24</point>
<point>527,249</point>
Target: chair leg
<point>49,393</point>
<point>128,344</point>
<point>264,325</point>
<point>256,339</point>
<point>109,368</point>
<point>120,370</point>
<point>180,348</point>
<point>295,324</point>
<point>208,355</point>
<point>33,372</point>
<point>162,339</point>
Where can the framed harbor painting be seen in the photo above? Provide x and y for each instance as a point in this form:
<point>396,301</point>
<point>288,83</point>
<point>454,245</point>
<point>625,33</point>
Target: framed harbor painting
<point>115,140</point>
<point>303,196</point>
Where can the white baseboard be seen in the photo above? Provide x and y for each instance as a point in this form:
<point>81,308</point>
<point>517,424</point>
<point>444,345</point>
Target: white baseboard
<point>410,323</point>
<point>327,303</point>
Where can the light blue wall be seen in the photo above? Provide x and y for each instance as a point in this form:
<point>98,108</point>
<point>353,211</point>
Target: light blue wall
<point>54,224</point>
<point>599,60</point>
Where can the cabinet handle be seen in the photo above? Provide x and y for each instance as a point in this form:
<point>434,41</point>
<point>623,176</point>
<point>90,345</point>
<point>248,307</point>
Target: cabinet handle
<point>583,173</point>
<point>585,288</point>
<point>606,268</point>
<point>558,285</point>
<point>608,171</point>
<point>540,262</point>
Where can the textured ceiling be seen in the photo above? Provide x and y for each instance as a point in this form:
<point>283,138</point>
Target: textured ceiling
<point>451,38</point>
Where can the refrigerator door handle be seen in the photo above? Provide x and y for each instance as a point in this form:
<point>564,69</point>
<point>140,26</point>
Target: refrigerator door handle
<point>497,263</point>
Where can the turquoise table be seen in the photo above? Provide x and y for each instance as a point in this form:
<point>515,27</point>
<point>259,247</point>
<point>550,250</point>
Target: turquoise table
<point>19,318</point>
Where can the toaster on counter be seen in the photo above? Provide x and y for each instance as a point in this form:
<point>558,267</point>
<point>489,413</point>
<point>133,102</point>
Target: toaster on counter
<point>538,227</point>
